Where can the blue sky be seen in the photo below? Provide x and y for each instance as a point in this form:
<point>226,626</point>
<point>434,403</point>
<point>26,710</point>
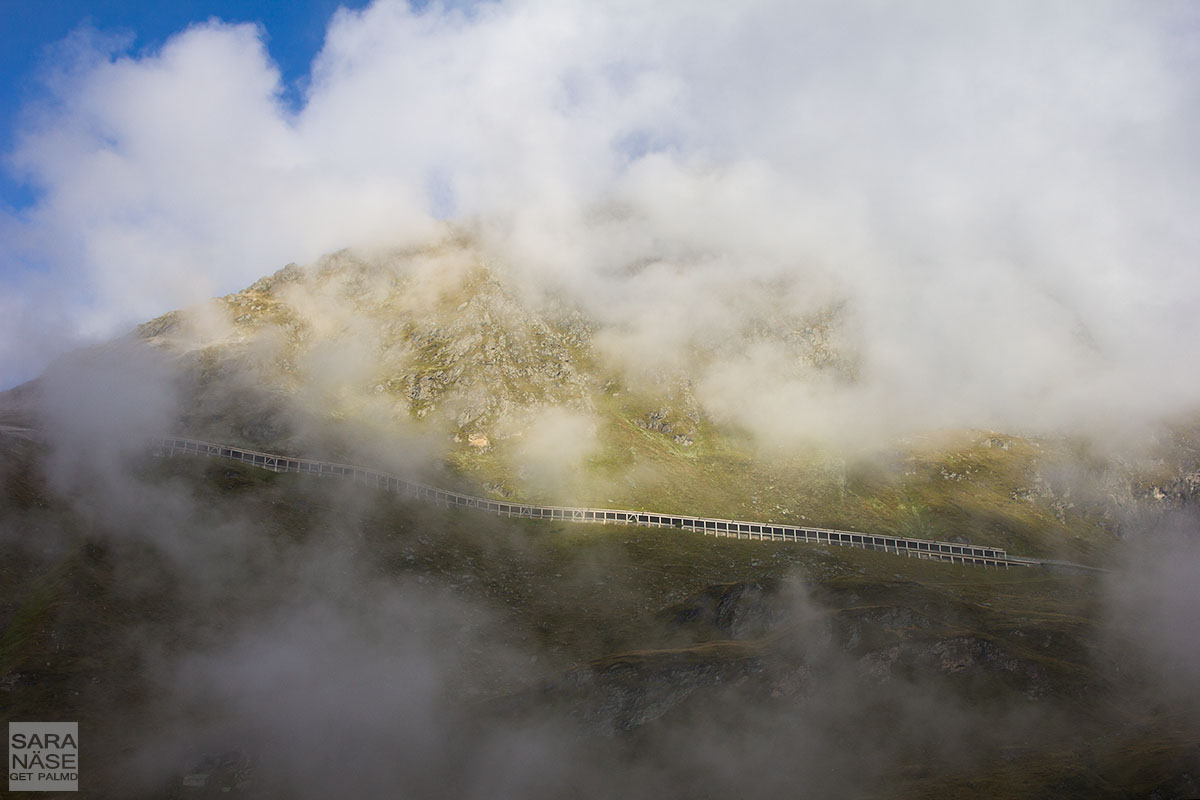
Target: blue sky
<point>295,32</point>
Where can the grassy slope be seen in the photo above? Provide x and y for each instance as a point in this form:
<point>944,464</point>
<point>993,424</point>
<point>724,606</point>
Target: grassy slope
<point>906,488</point>
<point>577,593</point>
<point>905,492</point>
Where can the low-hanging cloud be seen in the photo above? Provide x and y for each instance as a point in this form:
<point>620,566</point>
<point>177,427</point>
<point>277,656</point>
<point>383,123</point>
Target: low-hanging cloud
<point>1001,199</point>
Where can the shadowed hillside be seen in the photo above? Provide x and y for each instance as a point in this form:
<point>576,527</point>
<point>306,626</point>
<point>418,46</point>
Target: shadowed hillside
<point>435,363</point>
<point>260,610</point>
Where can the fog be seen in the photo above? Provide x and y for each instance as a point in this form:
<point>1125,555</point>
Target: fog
<point>355,645</point>
<point>1150,602</point>
<point>1001,201</point>
<point>832,221</point>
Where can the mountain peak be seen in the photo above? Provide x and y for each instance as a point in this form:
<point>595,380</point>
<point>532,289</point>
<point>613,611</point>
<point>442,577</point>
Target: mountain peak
<point>424,334</point>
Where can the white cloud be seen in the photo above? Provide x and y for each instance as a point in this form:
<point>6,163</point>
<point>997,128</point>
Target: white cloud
<point>1005,195</point>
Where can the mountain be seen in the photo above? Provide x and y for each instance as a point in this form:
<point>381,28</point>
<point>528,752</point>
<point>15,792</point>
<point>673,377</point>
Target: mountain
<point>356,642</point>
<point>522,393</point>
<point>345,638</point>
<point>446,364</point>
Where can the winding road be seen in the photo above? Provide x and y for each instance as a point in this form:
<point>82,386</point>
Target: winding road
<point>952,552</point>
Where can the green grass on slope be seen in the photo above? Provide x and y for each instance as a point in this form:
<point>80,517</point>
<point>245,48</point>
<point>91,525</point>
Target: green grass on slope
<point>945,487</point>
<point>571,594</point>
<point>545,577</point>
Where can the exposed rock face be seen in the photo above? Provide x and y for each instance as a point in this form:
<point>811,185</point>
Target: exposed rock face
<point>1177,492</point>
<point>733,611</point>
<point>955,656</point>
<point>764,640</point>
<point>487,359</point>
<point>438,335</point>
<point>681,427</point>
<point>1060,501</point>
<point>630,690</point>
<point>439,344</point>
<point>410,336</point>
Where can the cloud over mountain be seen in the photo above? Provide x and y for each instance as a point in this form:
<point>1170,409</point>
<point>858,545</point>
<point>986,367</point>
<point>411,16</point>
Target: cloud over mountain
<point>1001,200</point>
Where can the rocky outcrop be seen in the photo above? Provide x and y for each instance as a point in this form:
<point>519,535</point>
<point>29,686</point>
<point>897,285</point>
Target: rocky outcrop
<point>1177,492</point>
<point>681,427</point>
<point>763,640</point>
<point>356,334</point>
<point>626,691</point>
<point>729,611</point>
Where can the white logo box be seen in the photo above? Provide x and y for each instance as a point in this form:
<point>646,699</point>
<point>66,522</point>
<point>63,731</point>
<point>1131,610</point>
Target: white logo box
<point>43,756</point>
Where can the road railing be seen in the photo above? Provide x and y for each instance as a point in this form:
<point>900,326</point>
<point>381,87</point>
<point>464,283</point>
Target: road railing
<point>951,552</point>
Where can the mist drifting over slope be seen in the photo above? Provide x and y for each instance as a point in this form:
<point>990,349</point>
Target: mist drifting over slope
<point>357,644</point>
<point>992,209</point>
<point>999,201</point>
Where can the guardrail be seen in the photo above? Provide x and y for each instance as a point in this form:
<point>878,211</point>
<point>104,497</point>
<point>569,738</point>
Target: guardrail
<point>914,548</point>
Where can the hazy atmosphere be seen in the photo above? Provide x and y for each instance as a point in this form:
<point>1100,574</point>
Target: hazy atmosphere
<point>921,275</point>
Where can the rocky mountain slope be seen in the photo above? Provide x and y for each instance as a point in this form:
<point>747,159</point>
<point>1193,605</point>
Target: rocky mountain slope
<point>525,398</point>
<point>436,359</point>
<point>429,336</point>
<point>209,601</point>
